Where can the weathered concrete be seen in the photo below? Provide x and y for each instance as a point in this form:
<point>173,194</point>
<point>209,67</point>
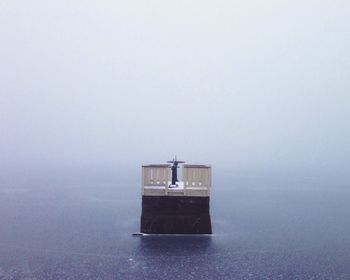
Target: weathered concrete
<point>175,215</point>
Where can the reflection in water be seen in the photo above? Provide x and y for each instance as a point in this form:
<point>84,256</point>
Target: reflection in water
<point>174,245</point>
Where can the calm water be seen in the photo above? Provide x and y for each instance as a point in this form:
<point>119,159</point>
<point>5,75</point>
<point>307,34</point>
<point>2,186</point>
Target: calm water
<point>264,228</point>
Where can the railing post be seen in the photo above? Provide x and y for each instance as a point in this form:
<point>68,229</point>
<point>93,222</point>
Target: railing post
<point>166,181</point>
<point>143,181</point>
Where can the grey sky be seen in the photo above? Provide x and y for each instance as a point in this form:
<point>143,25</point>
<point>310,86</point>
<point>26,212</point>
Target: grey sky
<point>253,83</point>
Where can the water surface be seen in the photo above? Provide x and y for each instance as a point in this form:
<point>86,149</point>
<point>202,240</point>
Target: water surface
<point>264,227</point>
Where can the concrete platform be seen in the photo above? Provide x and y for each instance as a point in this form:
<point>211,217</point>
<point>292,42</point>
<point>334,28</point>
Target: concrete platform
<point>175,215</point>
<point>180,190</point>
<point>175,209</point>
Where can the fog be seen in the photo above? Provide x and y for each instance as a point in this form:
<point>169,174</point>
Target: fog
<point>91,90</point>
<point>242,85</point>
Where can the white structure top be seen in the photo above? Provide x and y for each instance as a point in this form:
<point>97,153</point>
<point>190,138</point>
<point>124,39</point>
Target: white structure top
<point>156,180</point>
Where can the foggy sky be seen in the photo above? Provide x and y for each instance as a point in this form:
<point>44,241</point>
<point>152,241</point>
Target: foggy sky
<point>253,84</point>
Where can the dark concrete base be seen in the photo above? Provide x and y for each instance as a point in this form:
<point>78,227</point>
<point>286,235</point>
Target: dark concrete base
<point>175,215</point>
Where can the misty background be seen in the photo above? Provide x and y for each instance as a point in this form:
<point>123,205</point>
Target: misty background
<point>246,86</point>
<point>91,90</point>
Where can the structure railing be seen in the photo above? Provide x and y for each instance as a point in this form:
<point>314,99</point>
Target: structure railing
<point>155,175</point>
<point>196,177</point>
<point>156,180</point>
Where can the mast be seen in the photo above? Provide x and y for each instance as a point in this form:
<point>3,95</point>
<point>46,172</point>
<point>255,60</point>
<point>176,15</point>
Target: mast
<point>174,168</point>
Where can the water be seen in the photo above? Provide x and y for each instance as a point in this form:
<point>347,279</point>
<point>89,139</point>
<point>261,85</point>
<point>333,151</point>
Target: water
<point>264,228</point>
